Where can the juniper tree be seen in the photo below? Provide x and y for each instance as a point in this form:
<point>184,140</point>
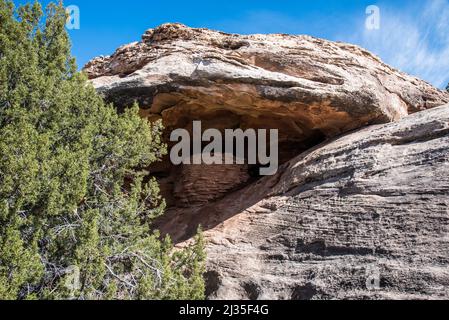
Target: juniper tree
<point>75,207</point>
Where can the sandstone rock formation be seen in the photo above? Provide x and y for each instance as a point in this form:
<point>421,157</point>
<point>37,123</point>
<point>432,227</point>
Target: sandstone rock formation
<point>365,216</point>
<point>310,89</point>
<point>342,212</point>
<point>307,88</point>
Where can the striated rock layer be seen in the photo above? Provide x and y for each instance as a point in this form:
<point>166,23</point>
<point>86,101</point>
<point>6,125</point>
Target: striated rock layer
<point>364,215</point>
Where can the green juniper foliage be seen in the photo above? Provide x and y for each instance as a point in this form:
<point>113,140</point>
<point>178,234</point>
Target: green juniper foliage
<point>75,213</point>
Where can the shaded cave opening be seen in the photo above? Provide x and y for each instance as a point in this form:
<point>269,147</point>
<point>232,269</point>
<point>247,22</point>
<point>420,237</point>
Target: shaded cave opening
<point>194,185</point>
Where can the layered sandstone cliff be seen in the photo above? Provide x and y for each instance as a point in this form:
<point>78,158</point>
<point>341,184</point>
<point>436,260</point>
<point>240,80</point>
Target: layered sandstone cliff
<point>365,216</point>
<point>345,211</point>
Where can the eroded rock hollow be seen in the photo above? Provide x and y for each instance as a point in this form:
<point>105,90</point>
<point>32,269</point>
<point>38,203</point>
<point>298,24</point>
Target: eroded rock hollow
<point>376,198</point>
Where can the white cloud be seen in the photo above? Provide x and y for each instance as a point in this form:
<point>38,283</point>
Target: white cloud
<point>414,39</point>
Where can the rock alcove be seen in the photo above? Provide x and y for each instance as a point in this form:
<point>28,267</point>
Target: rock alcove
<point>309,89</point>
<point>196,185</point>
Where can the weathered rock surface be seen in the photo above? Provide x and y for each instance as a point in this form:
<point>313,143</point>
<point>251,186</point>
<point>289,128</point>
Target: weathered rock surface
<point>372,204</point>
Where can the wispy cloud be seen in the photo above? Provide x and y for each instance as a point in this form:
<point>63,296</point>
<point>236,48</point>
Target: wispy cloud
<point>414,39</point>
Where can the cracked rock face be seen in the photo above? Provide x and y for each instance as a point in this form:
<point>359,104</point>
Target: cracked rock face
<point>361,215</point>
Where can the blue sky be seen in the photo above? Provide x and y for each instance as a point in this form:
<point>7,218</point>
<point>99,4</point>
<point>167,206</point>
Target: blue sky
<point>413,35</point>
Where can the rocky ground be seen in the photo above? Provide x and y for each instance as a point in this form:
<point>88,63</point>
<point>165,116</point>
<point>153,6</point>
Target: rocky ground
<point>359,208</point>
